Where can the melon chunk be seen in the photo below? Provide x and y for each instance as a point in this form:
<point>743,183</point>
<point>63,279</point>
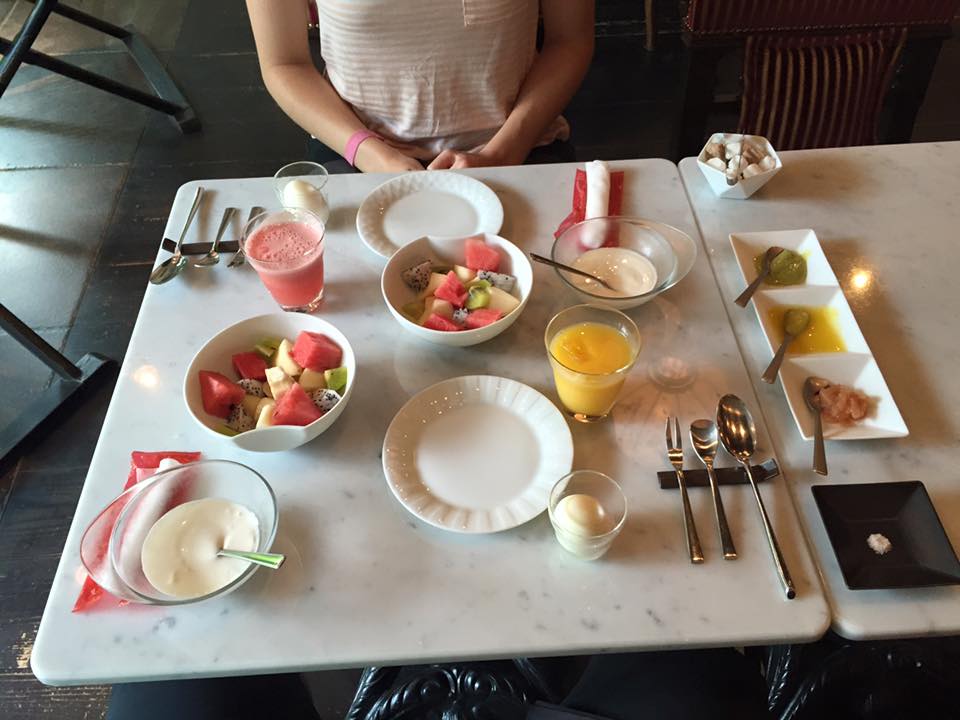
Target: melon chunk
<point>265,413</point>
<point>250,366</point>
<point>480,256</point>
<point>436,280</point>
<point>433,306</point>
<point>219,393</point>
<point>279,382</point>
<point>316,351</point>
<point>285,359</point>
<point>295,408</point>
<point>311,380</point>
<point>502,301</point>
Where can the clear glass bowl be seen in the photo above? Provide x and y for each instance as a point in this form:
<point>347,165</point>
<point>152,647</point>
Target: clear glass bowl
<point>658,243</point>
<point>111,546</point>
<point>606,491</point>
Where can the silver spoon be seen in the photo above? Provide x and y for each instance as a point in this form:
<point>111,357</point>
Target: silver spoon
<point>171,267</point>
<point>795,321</point>
<point>240,256</point>
<point>811,396</point>
<point>703,435</point>
<point>738,435</point>
<point>267,560</point>
<point>213,257</point>
<point>575,271</point>
<point>765,267</point>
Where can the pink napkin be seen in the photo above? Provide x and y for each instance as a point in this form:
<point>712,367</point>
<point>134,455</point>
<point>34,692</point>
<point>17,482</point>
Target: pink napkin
<point>142,466</point>
<point>580,199</point>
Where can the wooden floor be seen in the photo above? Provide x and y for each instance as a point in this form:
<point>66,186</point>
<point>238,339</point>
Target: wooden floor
<point>92,178</point>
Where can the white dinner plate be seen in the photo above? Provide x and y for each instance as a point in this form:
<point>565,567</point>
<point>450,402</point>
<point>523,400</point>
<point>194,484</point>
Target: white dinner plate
<point>441,203</point>
<point>856,367</point>
<point>476,454</point>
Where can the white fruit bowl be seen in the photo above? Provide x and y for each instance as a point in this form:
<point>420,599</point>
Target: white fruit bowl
<point>449,250</point>
<point>216,353</point>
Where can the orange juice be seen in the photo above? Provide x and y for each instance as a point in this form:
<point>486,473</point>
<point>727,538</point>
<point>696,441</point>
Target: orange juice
<point>589,362</point>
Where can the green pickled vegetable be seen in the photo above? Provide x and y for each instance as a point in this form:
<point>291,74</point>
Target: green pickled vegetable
<point>787,268</point>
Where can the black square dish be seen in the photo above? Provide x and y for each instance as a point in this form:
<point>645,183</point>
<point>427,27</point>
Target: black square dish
<point>921,554</point>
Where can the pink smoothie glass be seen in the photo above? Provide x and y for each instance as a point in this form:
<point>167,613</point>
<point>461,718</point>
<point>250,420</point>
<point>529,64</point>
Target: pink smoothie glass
<point>285,247</point>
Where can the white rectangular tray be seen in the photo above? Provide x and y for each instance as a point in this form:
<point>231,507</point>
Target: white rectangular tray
<point>855,367</point>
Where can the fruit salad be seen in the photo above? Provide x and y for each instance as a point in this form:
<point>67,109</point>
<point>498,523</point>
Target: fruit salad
<point>451,298</point>
<point>279,383</point>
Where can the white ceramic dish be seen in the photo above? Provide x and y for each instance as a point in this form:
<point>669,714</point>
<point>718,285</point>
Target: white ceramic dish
<point>663,244</point>
<point>746,186</point>
<point>216,353</point>
<point>396,294</point>
<point>439,203</point>
<point>476,454</point>
<point>856,367</point>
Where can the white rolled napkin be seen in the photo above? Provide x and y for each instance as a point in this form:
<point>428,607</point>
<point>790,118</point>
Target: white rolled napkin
<point>598,201</point>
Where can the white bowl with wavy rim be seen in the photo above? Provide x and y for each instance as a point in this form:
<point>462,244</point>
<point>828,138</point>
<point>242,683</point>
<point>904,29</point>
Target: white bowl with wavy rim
<point>744,188</point>
<point>450,251</point>
<point>511,429</point>
<point>216,353</point>
<point>442,203</point>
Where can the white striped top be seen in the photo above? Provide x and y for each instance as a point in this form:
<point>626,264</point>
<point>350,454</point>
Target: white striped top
<point>434,74</point>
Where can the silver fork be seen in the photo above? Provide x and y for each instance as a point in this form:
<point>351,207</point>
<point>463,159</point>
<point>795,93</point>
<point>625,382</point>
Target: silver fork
<point>240,257</point>
<point>675,454</point>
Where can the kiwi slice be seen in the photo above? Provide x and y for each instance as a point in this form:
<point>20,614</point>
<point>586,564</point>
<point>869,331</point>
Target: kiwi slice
<point>477,297</point>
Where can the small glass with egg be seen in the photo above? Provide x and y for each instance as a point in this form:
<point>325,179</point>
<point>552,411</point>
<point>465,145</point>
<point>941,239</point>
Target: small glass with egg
<point>587,510</point>
<point>300,185</point>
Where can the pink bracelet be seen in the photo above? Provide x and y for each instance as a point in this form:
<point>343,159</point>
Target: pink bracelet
<point>353,144</point>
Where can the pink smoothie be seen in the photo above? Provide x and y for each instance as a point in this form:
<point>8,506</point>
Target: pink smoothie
<point>288,257</point>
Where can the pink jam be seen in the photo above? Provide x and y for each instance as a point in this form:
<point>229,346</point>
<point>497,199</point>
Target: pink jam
<point>288,256</point>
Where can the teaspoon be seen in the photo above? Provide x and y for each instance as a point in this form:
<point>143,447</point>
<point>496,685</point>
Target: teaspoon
<point>794,323</point>
<point>738,435</point>
<point>575,271</point>
<point>703,435</point>
<point>213,257</point>
<point>267,560</point>
<point>744,297</point>
<point>811,396</point>
<point>171,267</point>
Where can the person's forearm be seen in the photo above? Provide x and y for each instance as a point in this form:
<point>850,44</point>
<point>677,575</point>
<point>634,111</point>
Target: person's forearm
<point>552,81</point>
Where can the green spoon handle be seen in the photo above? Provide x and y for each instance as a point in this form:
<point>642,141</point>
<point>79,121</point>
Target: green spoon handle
<point>267,560</point>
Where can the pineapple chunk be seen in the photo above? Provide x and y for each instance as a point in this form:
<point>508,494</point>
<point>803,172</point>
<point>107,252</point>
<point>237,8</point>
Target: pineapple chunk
<point>285,360</point>
<point>311,380</point>
<point>278,381</point>
<point>502,301</point>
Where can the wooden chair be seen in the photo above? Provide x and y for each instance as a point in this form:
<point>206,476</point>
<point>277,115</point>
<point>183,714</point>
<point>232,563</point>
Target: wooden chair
<point>818,91</point>
<point>713,29</point>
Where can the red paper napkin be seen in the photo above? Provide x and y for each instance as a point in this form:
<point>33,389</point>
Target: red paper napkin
<point>91,593</point>
<point>614,206</point>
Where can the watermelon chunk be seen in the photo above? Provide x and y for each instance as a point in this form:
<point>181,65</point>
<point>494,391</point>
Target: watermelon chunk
<point>316,351</point>
<point>452,290</point>
<point>480,256</point>
<point>438,322</point>
<point>250,366</point>
<point>219,392</point>
<point>295,407</point>
<point>482,318</point>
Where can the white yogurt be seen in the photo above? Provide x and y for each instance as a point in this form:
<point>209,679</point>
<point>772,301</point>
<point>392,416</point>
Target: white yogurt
<point>626,270</point>
<point>579,521</point>
<point>179,554</point>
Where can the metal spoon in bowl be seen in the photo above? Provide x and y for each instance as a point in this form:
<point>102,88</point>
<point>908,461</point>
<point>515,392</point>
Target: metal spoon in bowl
<point>703,435</point>
<point>811,396</point>
<point>213,257</point>
<point>267,560</point>
<point>765,267</point>
<point>795,321</point>
<point>171,267</point>
<point>738,435</point>
<point>575,271</point>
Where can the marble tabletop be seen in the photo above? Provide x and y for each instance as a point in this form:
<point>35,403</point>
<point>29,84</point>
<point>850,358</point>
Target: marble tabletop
<point>887,218</point>
<point>367,583</point>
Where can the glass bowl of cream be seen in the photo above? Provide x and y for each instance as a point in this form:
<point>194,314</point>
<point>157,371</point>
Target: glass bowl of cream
<point>638,259</point>
<point>587,510</point>
<point>167,531</point>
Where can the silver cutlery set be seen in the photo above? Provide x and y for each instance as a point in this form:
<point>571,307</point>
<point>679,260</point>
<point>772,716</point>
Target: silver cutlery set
<point>175,264</point>
<point>735,430</point>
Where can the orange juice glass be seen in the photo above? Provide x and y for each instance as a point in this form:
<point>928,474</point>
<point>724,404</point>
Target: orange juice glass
<point>591,350</point>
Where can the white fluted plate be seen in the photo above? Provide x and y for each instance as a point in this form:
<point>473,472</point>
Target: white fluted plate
<point>441,203</point>
<point>476,454</point>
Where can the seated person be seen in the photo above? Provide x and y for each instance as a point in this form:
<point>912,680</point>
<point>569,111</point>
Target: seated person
<point>435,83</point>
